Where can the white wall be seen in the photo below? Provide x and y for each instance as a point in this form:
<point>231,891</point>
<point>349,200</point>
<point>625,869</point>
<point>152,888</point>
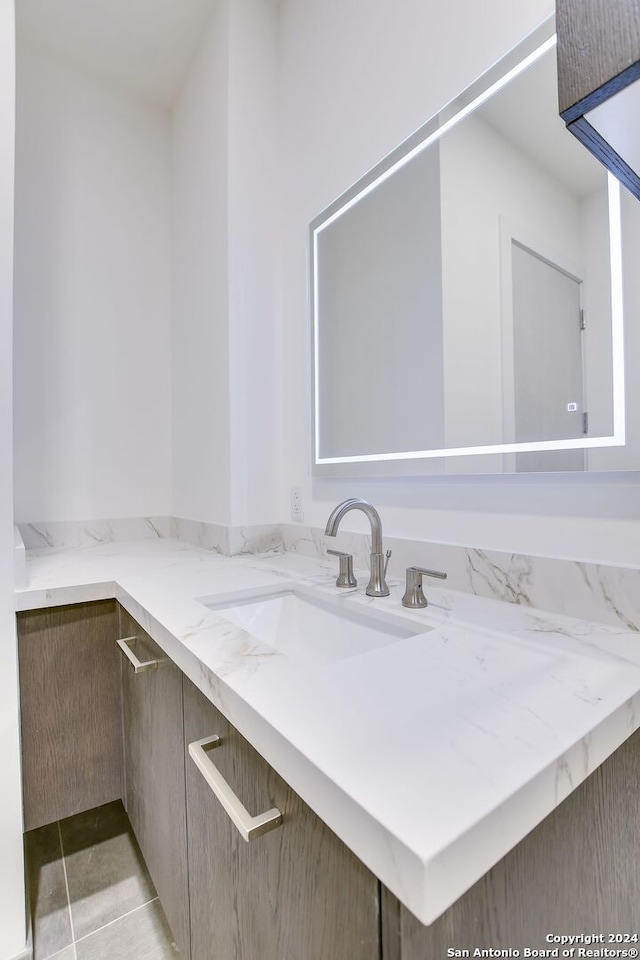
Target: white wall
<point>254,255</point>
<point>225,256</point>
<point>92,297</point>
<point>146,255</point>
<point>355,80</point>
<point>200,299</point>
<point>12,911</point>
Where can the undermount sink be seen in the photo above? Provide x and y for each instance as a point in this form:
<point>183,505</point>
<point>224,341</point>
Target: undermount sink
<point>310,628</point>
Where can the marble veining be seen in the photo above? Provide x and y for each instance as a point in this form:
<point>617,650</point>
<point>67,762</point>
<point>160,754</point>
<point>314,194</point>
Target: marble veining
<point>228,541</point>
<point>519,703</point>
<point>209,536</point>
<point>86,534</point>
<point>255,539</point>
<point>589,591</point>
<point>489,579</point>
<point>586,590</point>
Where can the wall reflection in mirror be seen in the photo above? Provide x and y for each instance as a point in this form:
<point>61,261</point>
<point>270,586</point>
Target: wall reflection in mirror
<point>467,298</point>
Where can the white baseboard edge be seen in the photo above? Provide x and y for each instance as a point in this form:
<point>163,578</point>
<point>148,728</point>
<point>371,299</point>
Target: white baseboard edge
<point>26,954</point>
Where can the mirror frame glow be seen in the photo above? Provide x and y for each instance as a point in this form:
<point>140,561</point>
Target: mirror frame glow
<point>541,41</point>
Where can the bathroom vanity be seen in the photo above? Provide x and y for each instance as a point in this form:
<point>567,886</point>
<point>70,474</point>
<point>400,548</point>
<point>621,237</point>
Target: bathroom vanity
<point>470,780</point>
<point>470,785</point>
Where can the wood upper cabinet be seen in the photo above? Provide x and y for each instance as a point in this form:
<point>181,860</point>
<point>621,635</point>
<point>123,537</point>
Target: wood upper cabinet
<point>294,893</point>
<point>69,710</point>
<point>154,769</point>
<point>598,73</point>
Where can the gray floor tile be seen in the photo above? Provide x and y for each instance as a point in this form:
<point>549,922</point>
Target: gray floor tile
<point>47,892</point>
<point>106,873</point>
<point>141,935</point>
<point>67,954</point>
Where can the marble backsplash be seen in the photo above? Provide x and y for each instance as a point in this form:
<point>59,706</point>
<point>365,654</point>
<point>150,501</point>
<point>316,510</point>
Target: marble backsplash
<point>599,592</point>
<point>590,591</point>
<point>228,541</point>
<point>76,533</point>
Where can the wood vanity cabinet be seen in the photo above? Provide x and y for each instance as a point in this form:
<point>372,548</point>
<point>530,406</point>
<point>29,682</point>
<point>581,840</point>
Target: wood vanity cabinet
<point>598,58</point>
<point>95,730</point>
<point>69,710</point>
<point>154,769</point>
<point>295,893</point>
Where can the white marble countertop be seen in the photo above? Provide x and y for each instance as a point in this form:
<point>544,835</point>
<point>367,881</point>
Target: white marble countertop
<point>430,757</point>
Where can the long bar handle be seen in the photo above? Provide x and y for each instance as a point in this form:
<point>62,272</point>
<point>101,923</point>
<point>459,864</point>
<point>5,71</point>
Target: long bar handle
<point>428,573</point>
<point>249,827</point>
<point>139,666</point>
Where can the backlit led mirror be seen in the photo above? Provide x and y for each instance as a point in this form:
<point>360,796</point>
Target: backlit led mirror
<point>467,294</point>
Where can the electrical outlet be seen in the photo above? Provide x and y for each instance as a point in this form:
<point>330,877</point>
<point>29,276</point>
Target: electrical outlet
<point>297,512</point>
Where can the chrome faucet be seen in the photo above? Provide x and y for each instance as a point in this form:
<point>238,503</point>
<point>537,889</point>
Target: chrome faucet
<point>377,586</point>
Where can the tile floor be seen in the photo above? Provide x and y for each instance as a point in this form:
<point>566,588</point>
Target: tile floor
<point>91,894</point>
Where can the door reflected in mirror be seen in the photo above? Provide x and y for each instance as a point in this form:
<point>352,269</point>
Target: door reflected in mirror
<point>466,294</point>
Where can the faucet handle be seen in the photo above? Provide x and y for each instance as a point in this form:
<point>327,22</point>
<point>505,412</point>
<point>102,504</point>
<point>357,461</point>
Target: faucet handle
<point>345,576</point>
<point>413,594</point>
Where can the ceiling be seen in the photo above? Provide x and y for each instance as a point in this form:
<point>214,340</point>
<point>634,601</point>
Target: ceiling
<point>142,45</point>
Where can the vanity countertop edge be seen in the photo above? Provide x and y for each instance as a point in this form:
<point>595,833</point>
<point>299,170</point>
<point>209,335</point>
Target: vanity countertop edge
<point>431,757</point>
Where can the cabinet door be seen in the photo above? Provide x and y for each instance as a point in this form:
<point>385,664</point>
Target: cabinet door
<point>69,710</point>
<point>294,893</point>
<point>154,771</point>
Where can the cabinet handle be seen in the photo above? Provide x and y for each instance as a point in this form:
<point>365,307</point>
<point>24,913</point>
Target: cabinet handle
<point>248,826</point>
<point>139,666</point>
